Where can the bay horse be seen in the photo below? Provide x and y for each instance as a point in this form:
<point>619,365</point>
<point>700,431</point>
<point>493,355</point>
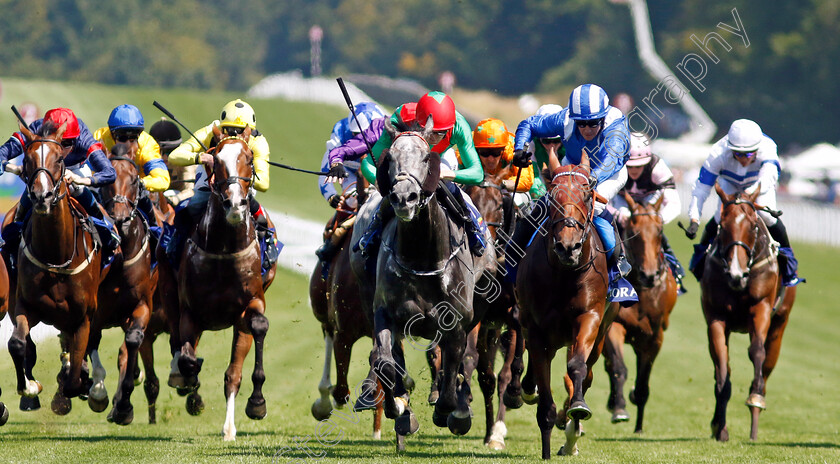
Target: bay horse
<point>561,288</point>
<point>4,308</point>
<point>219,283</point>
<point>337,305</point>
<point>58,268</point>
<point>424,284</point>
<point>742,292</point>
<point>125,296</point>
<point>642,325</point>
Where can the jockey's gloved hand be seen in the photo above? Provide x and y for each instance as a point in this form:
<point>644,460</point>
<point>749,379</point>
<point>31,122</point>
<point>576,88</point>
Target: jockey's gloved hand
<point>521,158</point>
<point>335,173</point>
<point>691,232</point>
<point>334,201</point>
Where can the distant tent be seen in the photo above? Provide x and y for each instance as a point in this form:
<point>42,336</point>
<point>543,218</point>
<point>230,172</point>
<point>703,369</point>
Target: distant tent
<point>816,163</point>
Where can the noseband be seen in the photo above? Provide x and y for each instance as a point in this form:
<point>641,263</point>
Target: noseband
<point>402,176</point>
<point>724,253</point>
<point>660,271</point>
<point>219,186</point>
<point>568,221</point>
<point>122,198</point>
<point>56,183</point>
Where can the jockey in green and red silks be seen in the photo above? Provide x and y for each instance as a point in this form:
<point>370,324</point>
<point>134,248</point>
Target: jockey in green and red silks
<point>450,130</point>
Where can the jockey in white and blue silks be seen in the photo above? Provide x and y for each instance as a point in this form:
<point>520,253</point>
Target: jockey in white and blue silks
<point>344,169</point>
<point>589,123</point>
<point>741,162</point>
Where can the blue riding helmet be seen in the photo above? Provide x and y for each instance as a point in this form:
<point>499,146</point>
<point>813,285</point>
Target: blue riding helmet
<point>588,102</point>
<point>367,112</point>
<point>125,117</point>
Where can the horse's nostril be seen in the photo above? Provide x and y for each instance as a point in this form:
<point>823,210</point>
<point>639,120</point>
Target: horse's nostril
<point>394,198</point>
<point>227,203</point>
<point>412,196</point>
<point>578,246</point>
<point>243,202</point>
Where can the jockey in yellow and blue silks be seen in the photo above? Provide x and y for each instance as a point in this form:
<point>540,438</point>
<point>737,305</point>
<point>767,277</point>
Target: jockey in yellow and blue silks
<point>450,129</point>
<point>125,125</point>
<point>588,123</point>
<point>86,164</point>
<point>235,117</point>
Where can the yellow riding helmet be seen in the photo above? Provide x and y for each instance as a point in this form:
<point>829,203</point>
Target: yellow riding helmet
<point>238,114</point>
<point>490,133</point>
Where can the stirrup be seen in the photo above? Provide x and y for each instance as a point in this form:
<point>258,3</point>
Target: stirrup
<point>623,266</point>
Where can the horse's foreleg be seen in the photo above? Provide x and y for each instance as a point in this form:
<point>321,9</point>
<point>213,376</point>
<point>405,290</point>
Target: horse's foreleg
<point>645,356</point>
<point>719,351</point>
<point>773,344</point>
<point>27,386</point>
<point>343,349</point>
<point>123,411</point>
<point>151,386</point>
<point>617,372</point>
<point>233,378</point>
<point>758,355</point>
<point>578,365</point>
<point>322,408</point>
<point>452,355</point>
<point>74,386</point>
<point>258,325</point>
<point>186,364</point>
<point>512,394</point>
<point>433,357</point>
<point>539,365</point>
<point>487,346</point>
<point>460,420</point>
<point>97,393</point>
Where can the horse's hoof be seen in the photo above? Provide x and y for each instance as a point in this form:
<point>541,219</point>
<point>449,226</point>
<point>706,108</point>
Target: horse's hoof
<point>496,445</point>
<point>121,417</point>
<point>579,411</point>
<point>562,451</point>
<point>619,415</point>
<point>152,414</point>
<point>176,380</point>
<point>4,414</point>
<point>433,397</point>
<point>195,405</point>
<point>139,379</point>
<point>512,401</point>
<point>756,401</point>
<point>632,396</point>
<point>406,424</point>
<point>440,420</point>
<point>319,412</point>
<point>409,383</point>
<point>30,404</point>
<point>530,398</point>
<point>61,405</point>
<point>365,402</point>
<point>183,391</point>
<point>98,405</point>
<point>720,434</point>
<point>400,444</point>
<point>459,425</point>
<point>255,409</point>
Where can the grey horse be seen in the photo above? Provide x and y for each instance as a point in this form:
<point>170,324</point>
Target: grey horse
<point>427,284</point>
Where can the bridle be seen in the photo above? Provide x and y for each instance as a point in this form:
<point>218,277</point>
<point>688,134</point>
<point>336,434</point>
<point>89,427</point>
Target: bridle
<point>750,249</point>
<point>660,270</point>
<point>122,198</point>
<point>218,187</point>
<point>425,197</point>
<point>56,195</point>
<point>566,220</point>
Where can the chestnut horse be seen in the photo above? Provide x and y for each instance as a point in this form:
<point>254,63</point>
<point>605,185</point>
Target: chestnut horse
<point>219,281</point>
<point>561,288</point>
<point>642,325</point>
<point>4,307</point>
<point>58,268</point>
<point>741,293</point>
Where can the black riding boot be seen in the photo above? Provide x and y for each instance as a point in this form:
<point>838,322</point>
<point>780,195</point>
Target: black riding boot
<point>619,258</point>
<point>698,259</point>
<point>788,265</point>
<point>265,235</point>
<point>674,263</point>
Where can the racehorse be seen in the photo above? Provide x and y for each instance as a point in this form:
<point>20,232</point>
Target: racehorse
<point>561,288</point>
<point>425,279</point>
<point>642,325</point>
<point>337,305</point>
<point>219,281</point>
<point>742,292</point>
<point>125,296</point>
<point>58,267</point>
<point>4,307</point>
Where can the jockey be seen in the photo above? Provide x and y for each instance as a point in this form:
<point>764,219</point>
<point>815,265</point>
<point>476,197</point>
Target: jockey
<point>494,145</point>
<point>591,124</point>
<point>125,124</point>
<point>236,116</point>
<point>742,161</point>
<point>648,179</point>
<point>80,149</point>
<point>344,149</point>
<point>451,129</point>
<point>182,178</point>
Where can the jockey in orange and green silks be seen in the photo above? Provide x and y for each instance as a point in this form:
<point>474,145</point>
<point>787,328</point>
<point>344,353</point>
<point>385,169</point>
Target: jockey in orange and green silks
<point>450,130</point>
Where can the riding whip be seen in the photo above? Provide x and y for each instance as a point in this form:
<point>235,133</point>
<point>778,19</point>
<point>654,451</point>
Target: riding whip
<point>353,111</point>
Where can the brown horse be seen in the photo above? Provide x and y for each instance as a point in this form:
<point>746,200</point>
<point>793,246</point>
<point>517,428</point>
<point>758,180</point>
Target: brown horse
<point>337,305</point>
<point>125,296</point>
<point>219,281</point>
<point>642,325</point>
<point>4,307</point>
<point>741,293</point>
<point>561,288</point>
<point>58,271</point>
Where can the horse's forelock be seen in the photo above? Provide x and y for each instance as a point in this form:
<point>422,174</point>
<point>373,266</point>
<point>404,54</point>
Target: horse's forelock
<point>48,128</point>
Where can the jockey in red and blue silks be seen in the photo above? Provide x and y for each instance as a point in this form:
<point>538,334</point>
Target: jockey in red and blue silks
<point>86,164</point>
<point>341,163</point>
<point>588,123</point>
<point>742,161</point>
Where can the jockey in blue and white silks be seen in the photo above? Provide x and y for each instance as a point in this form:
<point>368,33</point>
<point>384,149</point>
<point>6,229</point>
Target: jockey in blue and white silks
<point>744,160</point>
<point>588,123</point>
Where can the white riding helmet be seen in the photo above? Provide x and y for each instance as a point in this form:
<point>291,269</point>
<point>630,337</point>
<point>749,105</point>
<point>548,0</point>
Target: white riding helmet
<point>744,136</point>
<point>640,153</point>
<point>549,109</point>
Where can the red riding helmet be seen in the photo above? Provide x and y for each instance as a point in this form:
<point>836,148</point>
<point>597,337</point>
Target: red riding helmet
<point>440,107</point>
<point>59,116</point>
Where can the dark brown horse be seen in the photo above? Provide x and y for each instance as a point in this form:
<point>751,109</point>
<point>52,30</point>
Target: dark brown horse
<point>58,271</point>
<point>561,288</point>
<point>219,280</point>
<point>642,325</point>
<point>741,293</point>
<point>337,305</point>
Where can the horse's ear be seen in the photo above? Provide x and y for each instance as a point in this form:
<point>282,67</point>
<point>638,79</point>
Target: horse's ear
<point>246,134</point>
<point>658,203</point>
<point>392,131</point>
<point>723,196</point>
<point>427,130</point>
<point>60,132</point>
<point>584,160</point>
<point>753,196</point>
<point>630,202</point>
<point>217,131</point>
